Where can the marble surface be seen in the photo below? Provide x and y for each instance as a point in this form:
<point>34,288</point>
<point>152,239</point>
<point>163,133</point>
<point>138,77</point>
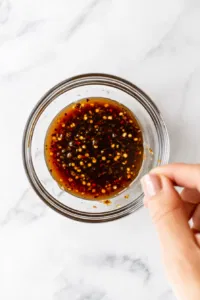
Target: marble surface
<point>156,45</point>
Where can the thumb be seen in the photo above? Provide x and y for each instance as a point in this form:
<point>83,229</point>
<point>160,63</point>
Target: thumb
<point>167,211</point>
<point>178,245</point>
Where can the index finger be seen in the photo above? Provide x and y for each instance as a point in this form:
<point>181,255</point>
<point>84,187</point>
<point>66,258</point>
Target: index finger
<point>184,175</point>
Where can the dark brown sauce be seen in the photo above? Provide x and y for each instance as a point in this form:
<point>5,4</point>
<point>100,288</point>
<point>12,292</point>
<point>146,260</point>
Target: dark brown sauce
<point>94,148</point>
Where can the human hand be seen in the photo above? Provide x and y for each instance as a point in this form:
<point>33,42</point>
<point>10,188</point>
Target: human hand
<point>171,211</point>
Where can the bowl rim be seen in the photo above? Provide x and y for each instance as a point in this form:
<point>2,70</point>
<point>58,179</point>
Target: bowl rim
<point>48,97</point>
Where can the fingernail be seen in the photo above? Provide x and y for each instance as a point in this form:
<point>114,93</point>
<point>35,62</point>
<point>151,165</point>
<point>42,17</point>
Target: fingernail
<point>151,185</point>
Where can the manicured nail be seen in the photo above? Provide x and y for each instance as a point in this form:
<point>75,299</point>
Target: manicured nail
<point>151,185</point>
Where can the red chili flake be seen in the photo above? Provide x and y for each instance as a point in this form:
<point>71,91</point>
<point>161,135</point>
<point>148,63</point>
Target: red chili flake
<point>78,105</point>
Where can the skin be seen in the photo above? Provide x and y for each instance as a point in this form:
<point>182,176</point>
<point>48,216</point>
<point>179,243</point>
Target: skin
<point>171,212</point>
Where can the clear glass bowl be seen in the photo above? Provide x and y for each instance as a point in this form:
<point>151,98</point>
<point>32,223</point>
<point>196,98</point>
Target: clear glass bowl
<point>155,137</point>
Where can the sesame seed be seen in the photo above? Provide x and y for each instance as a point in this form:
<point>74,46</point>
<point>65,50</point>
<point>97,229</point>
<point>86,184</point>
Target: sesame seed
<point>116,157</point>
<point>69,155</point>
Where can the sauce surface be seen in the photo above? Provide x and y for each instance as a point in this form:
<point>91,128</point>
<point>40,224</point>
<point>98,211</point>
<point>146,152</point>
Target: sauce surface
<point>94,148</point>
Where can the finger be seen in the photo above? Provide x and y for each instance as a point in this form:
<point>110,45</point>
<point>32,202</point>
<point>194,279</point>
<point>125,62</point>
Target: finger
<point>181,174</point>
<point>167,211</point>
<point>196,218</point>
<point>197,237</point>
<point>190,197</point>
<point>192,209</point>
<point>189,209</point>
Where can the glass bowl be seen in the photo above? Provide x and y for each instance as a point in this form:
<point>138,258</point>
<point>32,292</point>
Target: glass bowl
<point>155,142</point>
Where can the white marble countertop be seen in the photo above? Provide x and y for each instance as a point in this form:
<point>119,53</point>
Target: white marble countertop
<point>156,45</point>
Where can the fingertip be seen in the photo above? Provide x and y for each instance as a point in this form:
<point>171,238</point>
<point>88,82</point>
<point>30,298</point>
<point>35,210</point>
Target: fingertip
<point>151,185</point>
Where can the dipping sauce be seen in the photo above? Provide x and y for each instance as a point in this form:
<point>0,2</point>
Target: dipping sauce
<point>94,148</point>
